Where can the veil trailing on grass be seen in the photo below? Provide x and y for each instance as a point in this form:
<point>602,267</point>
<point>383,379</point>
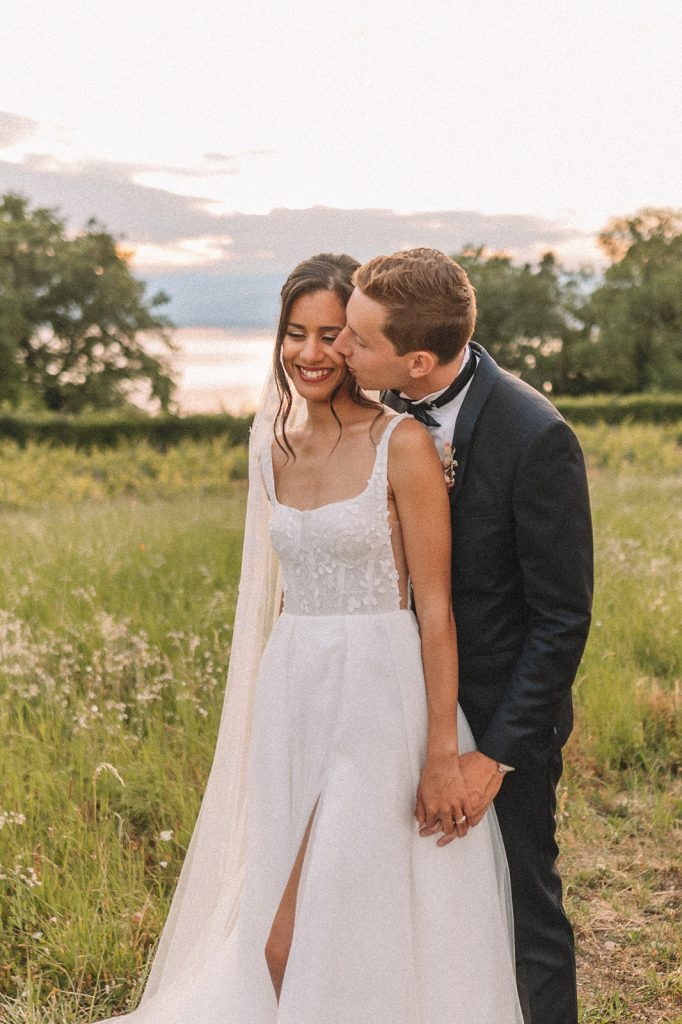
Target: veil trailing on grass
<point>205,906</point>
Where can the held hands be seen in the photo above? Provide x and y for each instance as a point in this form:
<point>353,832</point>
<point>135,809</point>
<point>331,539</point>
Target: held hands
<point>453,787</point>
<point>483,782</point>
<point>443,802</point>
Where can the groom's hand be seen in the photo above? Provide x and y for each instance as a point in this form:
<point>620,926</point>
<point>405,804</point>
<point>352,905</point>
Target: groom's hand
<point>483,783</point>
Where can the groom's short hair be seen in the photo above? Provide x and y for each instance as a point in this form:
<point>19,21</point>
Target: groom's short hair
<point>431,302</point>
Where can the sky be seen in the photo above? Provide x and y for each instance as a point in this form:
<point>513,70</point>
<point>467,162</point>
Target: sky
<point>231,138</point>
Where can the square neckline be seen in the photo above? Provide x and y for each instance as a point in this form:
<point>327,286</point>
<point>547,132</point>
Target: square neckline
<point>343,501</point>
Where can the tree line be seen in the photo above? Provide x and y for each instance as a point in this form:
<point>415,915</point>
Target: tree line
<point>78,331</point>
<point>578,332</point>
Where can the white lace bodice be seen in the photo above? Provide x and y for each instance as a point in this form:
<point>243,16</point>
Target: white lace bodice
<point>337,559</point>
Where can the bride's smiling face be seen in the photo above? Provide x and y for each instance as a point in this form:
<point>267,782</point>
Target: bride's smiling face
<point>315,321</point>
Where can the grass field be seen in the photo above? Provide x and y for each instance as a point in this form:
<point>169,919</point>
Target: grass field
<point>118,575</point>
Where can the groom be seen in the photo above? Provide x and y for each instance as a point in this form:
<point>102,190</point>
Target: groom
<point>521,574</point>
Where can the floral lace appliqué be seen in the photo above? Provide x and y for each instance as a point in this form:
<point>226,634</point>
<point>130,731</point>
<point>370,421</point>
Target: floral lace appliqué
<point>338,559</point>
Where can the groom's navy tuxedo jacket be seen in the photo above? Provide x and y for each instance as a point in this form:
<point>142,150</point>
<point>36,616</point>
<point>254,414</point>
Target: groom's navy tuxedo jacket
<point>521,565</point>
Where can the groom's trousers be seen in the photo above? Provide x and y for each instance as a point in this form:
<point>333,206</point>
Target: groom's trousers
<point>545,957</point>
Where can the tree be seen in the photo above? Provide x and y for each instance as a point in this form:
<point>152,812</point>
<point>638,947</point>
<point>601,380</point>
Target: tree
<point>529,318</point>
<point>71,314</point>
<point>27,245</point>
<point>636,314</point>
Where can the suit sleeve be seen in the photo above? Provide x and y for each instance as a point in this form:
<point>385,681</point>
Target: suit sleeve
<point>554,545</point>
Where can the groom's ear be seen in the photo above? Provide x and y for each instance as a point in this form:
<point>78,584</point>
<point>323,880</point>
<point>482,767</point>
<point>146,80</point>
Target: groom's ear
<point>421,364</point>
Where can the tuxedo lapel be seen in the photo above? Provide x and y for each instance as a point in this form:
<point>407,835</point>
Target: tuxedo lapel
<point>482,384</point>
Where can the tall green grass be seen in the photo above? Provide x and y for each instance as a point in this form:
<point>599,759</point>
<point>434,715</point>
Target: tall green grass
<point>628,689</point>
<point>118,575</point>
<point>114,640</point>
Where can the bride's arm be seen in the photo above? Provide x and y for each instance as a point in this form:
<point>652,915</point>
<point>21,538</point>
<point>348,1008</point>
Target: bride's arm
<point>416,479</point>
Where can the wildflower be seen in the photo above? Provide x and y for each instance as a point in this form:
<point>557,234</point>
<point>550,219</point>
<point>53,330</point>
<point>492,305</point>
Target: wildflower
<point>166,835</point>
<point>11,818</point>
<point>26,875</point>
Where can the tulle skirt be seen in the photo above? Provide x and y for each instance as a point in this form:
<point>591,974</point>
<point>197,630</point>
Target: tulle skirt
<point>389,928</point>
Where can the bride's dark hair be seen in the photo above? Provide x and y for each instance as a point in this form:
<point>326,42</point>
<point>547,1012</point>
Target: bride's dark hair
<point>326,272</point>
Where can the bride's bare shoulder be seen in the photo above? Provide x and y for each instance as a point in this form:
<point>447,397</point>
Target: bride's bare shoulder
<point>411,446</point>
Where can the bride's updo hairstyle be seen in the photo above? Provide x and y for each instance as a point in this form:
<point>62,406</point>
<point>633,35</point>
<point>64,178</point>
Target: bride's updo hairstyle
<point>326,272</point>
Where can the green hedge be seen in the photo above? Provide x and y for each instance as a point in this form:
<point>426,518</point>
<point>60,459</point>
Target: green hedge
<point>164,431</point>
<point>645,408</point>
<point>108,431</point>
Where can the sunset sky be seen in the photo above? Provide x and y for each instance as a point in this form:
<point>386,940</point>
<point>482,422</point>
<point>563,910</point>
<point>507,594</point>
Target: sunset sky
<point>237,136</point>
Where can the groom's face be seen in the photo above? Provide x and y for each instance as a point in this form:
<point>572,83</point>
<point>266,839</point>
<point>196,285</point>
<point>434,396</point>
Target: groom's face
<point>370,356</point>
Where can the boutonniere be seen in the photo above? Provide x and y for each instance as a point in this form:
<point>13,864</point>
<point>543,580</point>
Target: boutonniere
<point>449,463</point>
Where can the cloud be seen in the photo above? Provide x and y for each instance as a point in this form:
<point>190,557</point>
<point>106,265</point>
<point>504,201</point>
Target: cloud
<point>227,268</point>
<point>281,238</point>
<point>15,128</point>
<point>160,221</point>
<point>107,190</point>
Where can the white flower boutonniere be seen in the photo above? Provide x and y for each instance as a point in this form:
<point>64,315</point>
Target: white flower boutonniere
<point>449,463</point>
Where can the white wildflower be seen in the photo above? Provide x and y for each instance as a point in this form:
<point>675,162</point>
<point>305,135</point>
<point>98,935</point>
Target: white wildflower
<point>11,818</point>
<point>27,875</point>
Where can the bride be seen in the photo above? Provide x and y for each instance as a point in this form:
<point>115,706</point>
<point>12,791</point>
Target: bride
<point>331,877</point>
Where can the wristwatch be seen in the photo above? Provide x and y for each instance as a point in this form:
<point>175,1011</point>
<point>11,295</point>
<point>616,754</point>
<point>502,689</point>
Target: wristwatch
<point>503,768</point>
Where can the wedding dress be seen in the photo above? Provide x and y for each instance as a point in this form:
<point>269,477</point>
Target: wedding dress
<point>389,928</point>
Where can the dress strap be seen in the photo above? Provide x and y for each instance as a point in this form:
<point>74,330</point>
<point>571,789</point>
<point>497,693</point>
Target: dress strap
<point>380,470</point>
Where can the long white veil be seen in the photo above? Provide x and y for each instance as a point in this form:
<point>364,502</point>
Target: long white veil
<point>206,900</point>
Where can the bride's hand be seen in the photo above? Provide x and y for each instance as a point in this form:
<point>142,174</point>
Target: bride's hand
<point>442,798</point>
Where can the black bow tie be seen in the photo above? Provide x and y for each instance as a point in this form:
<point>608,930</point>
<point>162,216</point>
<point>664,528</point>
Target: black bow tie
<point>420,409</point>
